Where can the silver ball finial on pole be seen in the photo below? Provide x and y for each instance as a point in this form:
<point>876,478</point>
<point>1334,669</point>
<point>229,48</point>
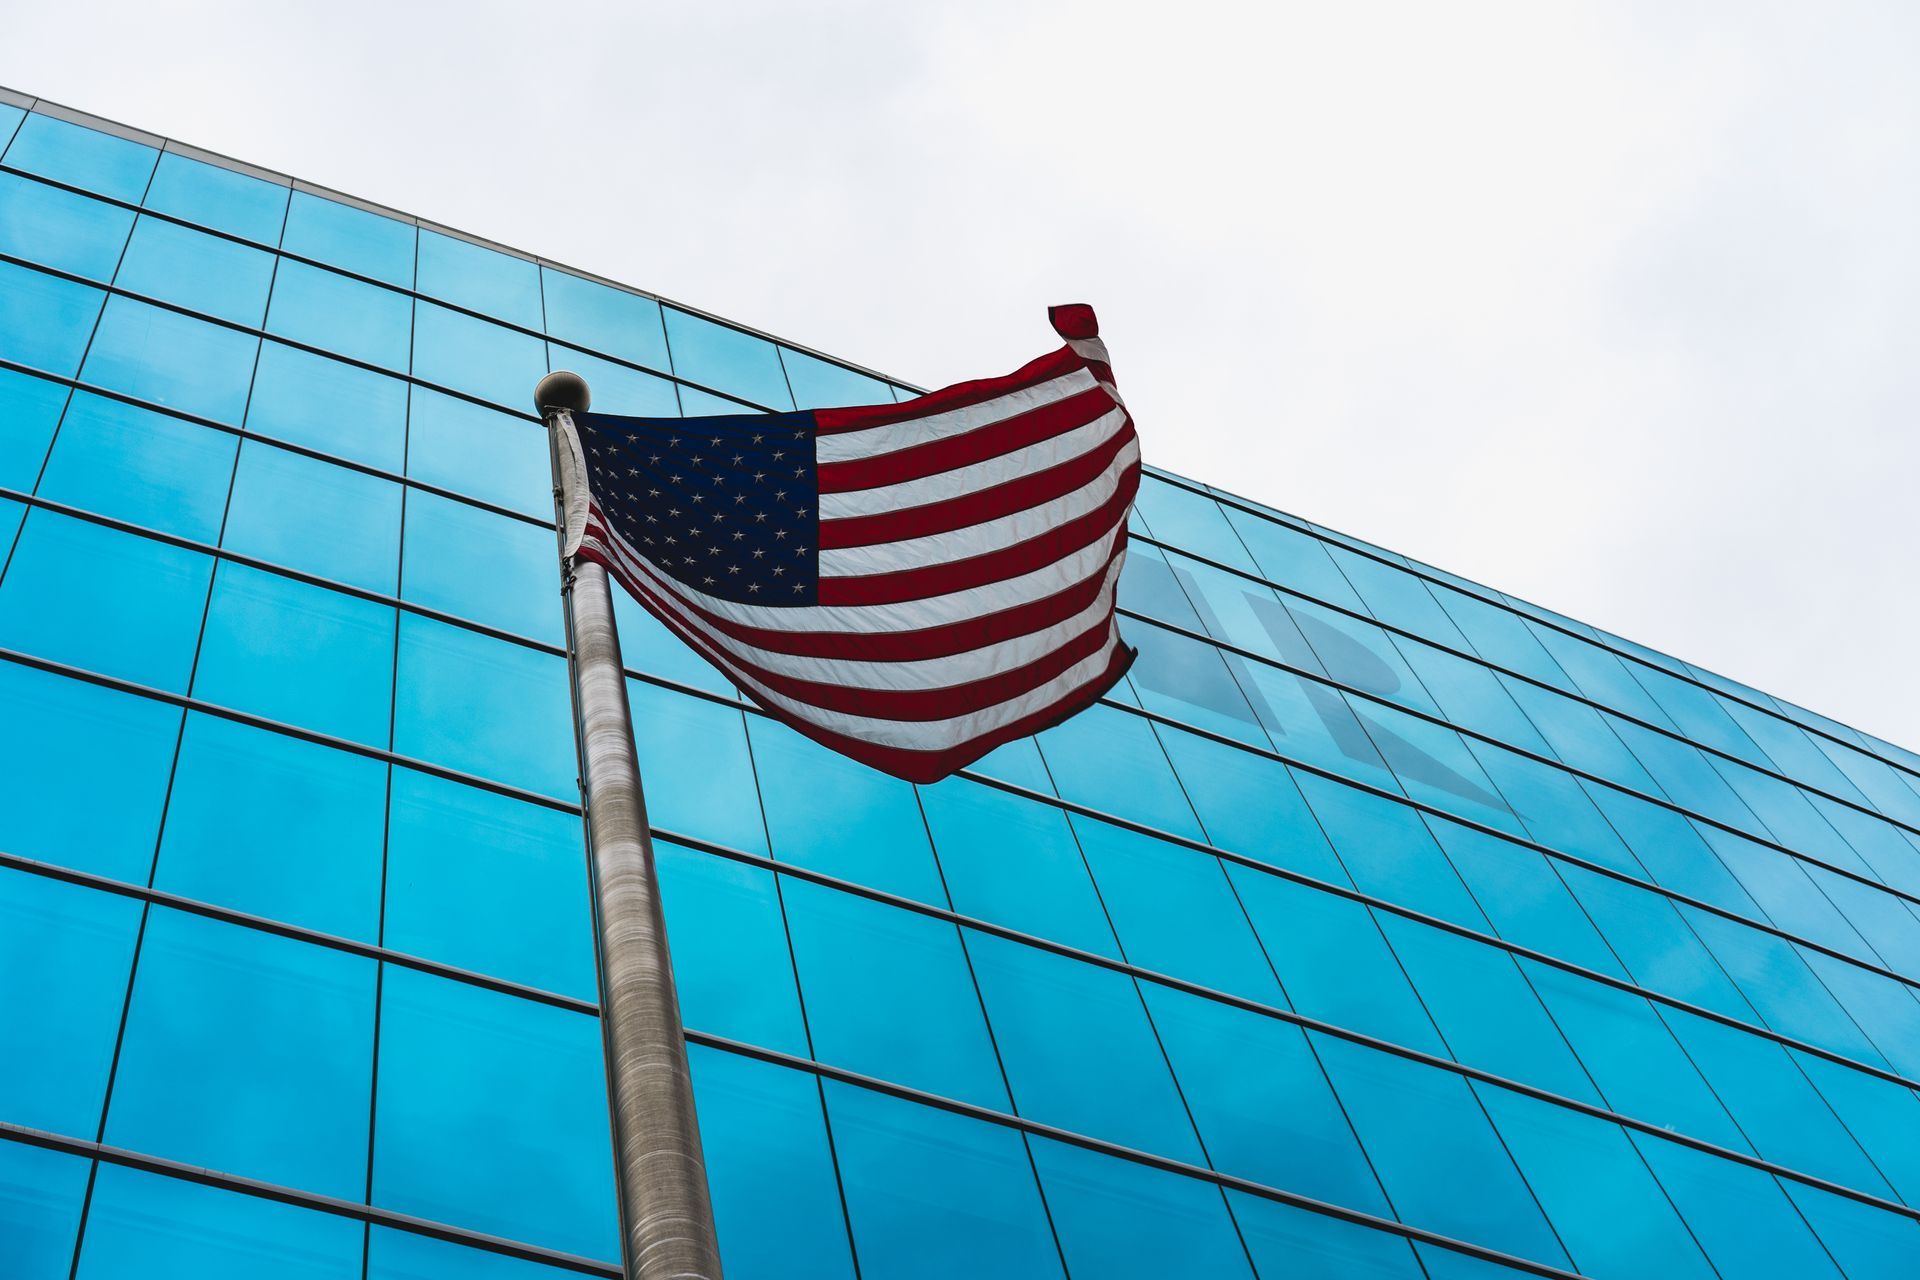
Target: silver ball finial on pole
<point>563,390</point>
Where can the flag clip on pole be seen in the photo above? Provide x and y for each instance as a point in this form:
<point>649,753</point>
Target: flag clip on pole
<point>666,1218</point>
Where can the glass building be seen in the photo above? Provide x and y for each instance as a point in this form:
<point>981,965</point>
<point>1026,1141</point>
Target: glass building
<point>1381,925</point>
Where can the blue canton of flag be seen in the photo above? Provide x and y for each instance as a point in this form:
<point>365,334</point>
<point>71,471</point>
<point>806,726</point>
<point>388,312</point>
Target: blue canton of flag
<point>729,505</point>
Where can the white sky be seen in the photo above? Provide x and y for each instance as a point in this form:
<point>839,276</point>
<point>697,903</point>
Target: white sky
<point>1613,306</point>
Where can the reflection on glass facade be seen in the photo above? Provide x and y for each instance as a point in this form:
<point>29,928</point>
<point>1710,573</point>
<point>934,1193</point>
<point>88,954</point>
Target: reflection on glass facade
<point>1381,925</point>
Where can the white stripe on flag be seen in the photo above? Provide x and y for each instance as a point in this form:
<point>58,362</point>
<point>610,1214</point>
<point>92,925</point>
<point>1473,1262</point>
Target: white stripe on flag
<point>891,437</point>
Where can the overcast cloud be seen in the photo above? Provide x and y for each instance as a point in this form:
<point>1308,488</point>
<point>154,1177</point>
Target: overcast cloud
<point>1613,306</point>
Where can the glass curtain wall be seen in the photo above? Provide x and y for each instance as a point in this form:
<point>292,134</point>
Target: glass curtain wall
<point>1379,925</point>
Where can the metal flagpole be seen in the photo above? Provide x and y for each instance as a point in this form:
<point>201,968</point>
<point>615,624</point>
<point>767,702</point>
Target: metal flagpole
<point>666,1218</point>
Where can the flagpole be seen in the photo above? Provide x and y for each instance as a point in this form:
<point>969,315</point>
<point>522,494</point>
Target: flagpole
<point>666,1218</point>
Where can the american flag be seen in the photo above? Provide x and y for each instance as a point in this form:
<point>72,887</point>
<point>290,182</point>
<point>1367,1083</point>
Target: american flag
<point>911,584</point>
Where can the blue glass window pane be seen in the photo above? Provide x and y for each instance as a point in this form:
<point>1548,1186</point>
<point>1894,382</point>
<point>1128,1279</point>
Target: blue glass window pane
<point>1189,681</point>
<point>298,653</point>
<point>1434,767</point>
<point>1261,1102</point>
<point>292,510</point>
<point>192,269</point>
<point>1397,598</point>
<point>10,118</point>
<point>1632,1057</point>
<point>698,772</point>
<point>1250,805</point>
<point>1604,1205</point>
<point>40,1194</point>
<point>1671,850</point>
<point>216,197</point>
<point>45,321</point>
<point>1482,1004</point>
<point>1333,963</point>
<point>695,402</point>
<point>1500,636</point>
<point>402,1255</point>
<point>1527,902</point>
<point>817,383</point>
<point>646,645</point>
<point>1390,852</point>
<point>162,1228</point>
<point>493,1115</point>
<point>475,564</point>
<point>1119,1219</point>
<point>1404,1112</point>
<point>1778,983</point>
<point>589,314</point>
<point>1657,949</point>
<point>29,408</point>
<point>82,157</point>
<point>1868,1243</point>
<point>309,400</point>
<point>144,600</point>
<point>1555,810</point>
<point>1191,521</point>
<point>227,839</point>
<point>618,389</point>
<point>1110,760</point>
<point>362,242</point>
<point>174,360</point>
<point>1285,1241</point>
<point>776,1202</point>
<point>726,360</point>
<point>487,883</point>
<point>143,467</point>
<point>913,1175</point>
<point>1017,762</point>
<point>249,1053</point>
<point>64,958</point>
<point>1175,911</point>
<point>1014,861</point>
<point>1472,696</point>
<point>1883,1117</point>
<point>485,360</point>
<point>60,229</point>
<point>1061,1024</point>
<point>479,279</point>
<point>1359,655</point>
<point>349,317</point>
<point>1737,1214</point>
<point>730,961</point>
<point>830,814</point>
<point>888,994</point>
<point>484,706</point>
<point>480,452</point>
<point>1774,1104</point>
<point>63,739</point>
<point>1296,560</point>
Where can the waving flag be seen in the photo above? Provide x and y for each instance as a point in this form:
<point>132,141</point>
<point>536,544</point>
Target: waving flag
<point>909,584</point>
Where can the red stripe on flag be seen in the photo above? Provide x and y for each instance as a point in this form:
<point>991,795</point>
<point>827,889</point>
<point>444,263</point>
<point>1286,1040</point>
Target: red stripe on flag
<point>977,507</point>
<point>829,422</point>
<point>993,566</point>
<point>1043,422</point>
